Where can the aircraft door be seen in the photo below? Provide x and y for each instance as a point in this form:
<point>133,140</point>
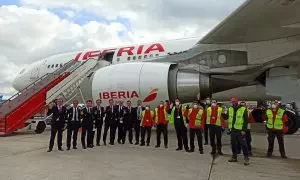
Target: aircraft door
<point>35,73</point>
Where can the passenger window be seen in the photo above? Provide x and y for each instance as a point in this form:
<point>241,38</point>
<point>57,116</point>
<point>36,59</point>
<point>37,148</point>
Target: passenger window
<point>118,59</point>
<point>151,55</point>
<point>61,65</point>
<point>140,57</point>
<point>133,57</point>
<point>52,66</point>
<point>128,58</point>
<point>145,56</point>
<point>56,65</point>
<point>156,55</point>
<point>49,66</point>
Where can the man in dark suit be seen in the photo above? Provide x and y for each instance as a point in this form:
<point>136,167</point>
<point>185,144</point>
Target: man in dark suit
<point>129,118</point>
<point>98,114</point>
<point>120,123</point>
<point>137,123</point>
<point>73,124</point>
<point>110,122</point>
<point>57,124</point>
<point>87,125</point>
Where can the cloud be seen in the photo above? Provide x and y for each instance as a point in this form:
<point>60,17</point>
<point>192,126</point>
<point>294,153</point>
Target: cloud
<point>35,29</point>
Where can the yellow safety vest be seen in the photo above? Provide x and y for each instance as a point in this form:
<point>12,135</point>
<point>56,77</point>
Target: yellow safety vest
<point>198,116</point>
<point>278,123</point>
<point>166,115</point>
<point>172,114</point>
<point>239,118</point>
<point>143,114</point>
<point>208,115</point>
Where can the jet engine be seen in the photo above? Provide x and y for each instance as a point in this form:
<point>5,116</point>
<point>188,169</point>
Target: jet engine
<point>149,82</point>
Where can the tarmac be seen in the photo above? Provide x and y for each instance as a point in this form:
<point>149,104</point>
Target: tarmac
<point>23,156</point>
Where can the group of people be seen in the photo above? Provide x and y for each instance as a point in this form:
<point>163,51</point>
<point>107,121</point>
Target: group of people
<point>207,119</point>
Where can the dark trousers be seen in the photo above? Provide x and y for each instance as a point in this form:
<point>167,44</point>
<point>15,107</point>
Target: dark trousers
<point>162,128</point>
<point>120,132</point>
<point>206,133</point>
<point>271,137</point>
<point>137,129</point>
<point>99,130</point>
<point>130,136</point>
<point>198,133</point>
<point>248,142</point>
<point>181,133</point>
<point>87,136</point>
<point>215,132</point>
<point>143,133</point>
<point>72,130</point>
<point>56,128</point>
<point>112,131</point>
<point>236,137</point>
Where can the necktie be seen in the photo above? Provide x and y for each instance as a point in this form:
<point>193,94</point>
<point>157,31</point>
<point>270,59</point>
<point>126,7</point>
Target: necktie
<point>111,108</point>
<point>88,110</point>
<point>129,109</point>
<point>75,117</point>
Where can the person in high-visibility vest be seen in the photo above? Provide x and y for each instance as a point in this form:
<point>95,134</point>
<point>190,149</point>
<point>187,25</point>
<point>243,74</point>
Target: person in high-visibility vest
<point>276,120</point>
<point>248,132</point>
<point>180,122</point>
<point>161,121</point>
<point>237,125</point>
<point>216,124</point>
<point>147,123</point>
<point>196,125</point>
<point>205,106</point>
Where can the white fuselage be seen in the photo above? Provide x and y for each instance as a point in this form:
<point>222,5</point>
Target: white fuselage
<point>124,54</point>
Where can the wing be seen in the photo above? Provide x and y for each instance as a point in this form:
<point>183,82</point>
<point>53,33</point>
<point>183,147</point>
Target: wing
<point>257,20</point>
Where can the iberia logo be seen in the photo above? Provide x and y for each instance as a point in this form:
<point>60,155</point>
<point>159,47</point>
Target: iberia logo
<point>152,95</point>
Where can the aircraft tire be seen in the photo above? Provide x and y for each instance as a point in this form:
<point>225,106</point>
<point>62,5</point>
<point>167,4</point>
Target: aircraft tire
<point>40,127</point>
<point>293,123</point>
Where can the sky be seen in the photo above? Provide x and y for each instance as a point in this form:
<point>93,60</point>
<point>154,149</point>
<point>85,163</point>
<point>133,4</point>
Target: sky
<point>33,29</point>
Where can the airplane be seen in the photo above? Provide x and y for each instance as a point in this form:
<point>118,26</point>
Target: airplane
<point>254,54</point>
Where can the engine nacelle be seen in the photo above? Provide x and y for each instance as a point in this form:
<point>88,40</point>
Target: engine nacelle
<point>149,82</point>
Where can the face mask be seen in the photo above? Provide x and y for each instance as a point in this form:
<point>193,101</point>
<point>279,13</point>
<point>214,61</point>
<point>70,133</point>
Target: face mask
<point>147,108</point>
<point>274,106</point>
<point>177,103</point>
<point>195,106</point>
<point>161,105</point>
<point>214,104</point>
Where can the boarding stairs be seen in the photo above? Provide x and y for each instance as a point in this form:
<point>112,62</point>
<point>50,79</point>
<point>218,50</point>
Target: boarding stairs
<point>15,111</point>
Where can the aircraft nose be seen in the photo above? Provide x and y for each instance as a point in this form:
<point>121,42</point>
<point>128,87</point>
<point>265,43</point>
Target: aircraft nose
<point>17,83</point>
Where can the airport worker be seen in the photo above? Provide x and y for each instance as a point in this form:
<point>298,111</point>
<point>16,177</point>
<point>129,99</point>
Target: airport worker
<point>87,125</point>
<point>129,119</point>
<point>180,122</point>
<point>137,124</point>
<point>276,120</point>
<point>196,125</point>
<point>146,124</point>
<point>248,132</point>
<point>120,121</point>
<point>111,118</point>
<point>161,121</point>
<point>98,115</point>
<point>206,105</point>
<point>216,124</point>
<point>73,125</point>
<point>57,124</point>
<point>237,124</point>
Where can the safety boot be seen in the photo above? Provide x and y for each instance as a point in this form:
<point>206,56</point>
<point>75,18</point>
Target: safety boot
<point>246,161</point>
<point>233,159</point>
